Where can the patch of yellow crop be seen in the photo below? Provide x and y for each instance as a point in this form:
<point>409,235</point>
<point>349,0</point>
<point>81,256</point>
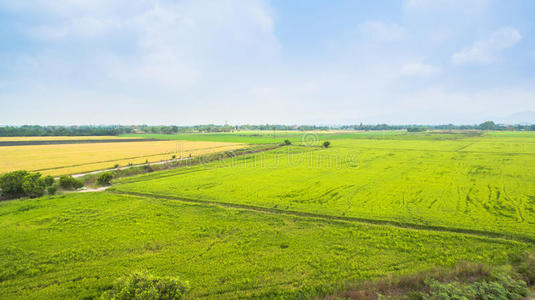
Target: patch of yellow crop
<point>78,158</point>
<point>62,138</point>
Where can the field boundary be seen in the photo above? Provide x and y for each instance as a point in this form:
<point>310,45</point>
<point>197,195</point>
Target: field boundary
<point>472,232</point>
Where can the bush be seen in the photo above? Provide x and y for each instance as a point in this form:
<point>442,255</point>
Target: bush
<point>49,180</point>
<point>326,144</point>
<point>33,185</point>
<point>141,285</point>
<point>287,142</point>
<point>11,183</point>
<point>52,190</point>
<point>70,183</point>
<point>104,178</point>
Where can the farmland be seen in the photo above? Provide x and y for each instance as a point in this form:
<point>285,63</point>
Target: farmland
<point>83,157</point>
<point>297,221</point>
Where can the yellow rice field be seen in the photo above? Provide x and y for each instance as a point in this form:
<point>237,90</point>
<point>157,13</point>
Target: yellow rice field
<point>62,138</point>
<point>78,158</point>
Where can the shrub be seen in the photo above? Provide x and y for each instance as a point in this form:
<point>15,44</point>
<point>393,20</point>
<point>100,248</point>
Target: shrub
<point>70,183</point>
<point>141,285</point>
<point>11,183</point>
<point>326,144</point>
<point>287,142</point>
<point>33,185</point>
<point>52,190</point>
<point>173,157</point>
<point>49,180</point>
<point>104,178</point>
<point>116,166</point>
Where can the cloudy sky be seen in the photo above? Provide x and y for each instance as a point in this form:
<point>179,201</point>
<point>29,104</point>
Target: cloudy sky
<point>253,61</point>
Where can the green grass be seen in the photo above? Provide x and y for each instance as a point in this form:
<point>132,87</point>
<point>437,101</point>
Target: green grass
<point>75,246</point>
<point>294,222</point>
<point>470,184</point>
<point>298,137</point>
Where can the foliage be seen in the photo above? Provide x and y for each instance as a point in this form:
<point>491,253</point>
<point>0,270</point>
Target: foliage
<point>49,180</point>
<point>287,142</point>
<point>416,129</point>
<point>11,183</point>
<point>70,183</point>
<point>501,286</point>
<point>33,185</point>
<point>326,144</point>
<point>142,285</point>
<point>104,178</point>
<point>52,190</point>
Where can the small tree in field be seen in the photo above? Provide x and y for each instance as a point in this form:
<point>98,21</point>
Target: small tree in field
<point>104,178</point>
<point>11,183</point>
<point>33,185</point>
<point>326,144</point>
<point>287,142</point>
<point>70,183</point>
<point>49,180</point>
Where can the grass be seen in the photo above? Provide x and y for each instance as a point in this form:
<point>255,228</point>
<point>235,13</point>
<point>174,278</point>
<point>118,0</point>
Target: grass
<point>448,183</point>
<point>78,158</point>
<point>307,137</point>
<point>76,245</point>
<point>298,221</point>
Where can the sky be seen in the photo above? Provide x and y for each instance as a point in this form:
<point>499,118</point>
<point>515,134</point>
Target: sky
<point>187,62</point>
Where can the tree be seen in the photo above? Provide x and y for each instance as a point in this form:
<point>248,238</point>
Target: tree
<point>52,190</point>
<point>11,183</point>
<point>488,125</point>
<point>105,178</point>
<point>70,183</point>
<point>326,144</point>
<point>287,142</point>
<point>33,185</point>
<point>49,180</point>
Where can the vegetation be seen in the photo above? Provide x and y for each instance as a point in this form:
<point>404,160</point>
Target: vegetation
<point>326,144</point>
<point>141,285</point>
<point>70,183</point>
<point>23,184</point>
<point>477,184</point>
<point>94,238</point>
<point>78,158</point>
<point>300,221</point>
<point>104,178</point>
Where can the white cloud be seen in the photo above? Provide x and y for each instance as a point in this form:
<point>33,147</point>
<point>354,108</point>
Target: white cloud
<point>419,69</point>
<point>381,31</point>
<point>463,5</point>
<point>487,51</point>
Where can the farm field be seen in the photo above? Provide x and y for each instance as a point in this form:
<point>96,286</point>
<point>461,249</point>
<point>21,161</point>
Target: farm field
<point>76,245</point>
<point>77,158</point>
<point>454,184</point>
<point>298,221</point>
<point>55,138</point>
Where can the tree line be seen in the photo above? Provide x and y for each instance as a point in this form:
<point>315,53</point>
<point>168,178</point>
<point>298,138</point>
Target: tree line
<point>114,130</point>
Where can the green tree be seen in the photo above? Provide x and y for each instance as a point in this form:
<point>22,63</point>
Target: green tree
<point>287,142</point>
<point>488,125</point>
<point>49,180</point>
<point>104,178</point>
<point>11,183</point>
<point>70,183</point>
<point>326,144</point>
<point>33,185</point>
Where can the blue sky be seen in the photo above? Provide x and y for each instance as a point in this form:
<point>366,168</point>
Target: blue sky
<point>293,62</point>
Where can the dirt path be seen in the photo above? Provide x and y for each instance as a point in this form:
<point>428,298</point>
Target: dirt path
<point>138,165</point>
